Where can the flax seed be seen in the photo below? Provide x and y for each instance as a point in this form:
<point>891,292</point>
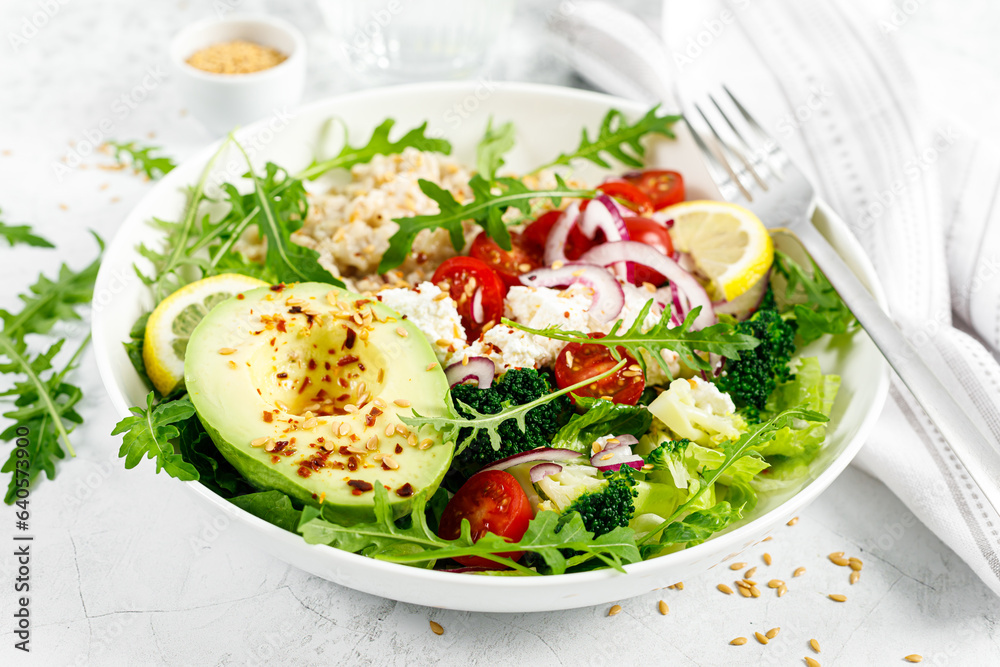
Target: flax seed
<point>269,447</point>
<point>390,462</point>
<point>379,403</point>
<point>811,662</point>
<point>744,592</point>
<point>767,539</point>
<point>737,566</point>
<point>775,583</point>
<point>761,638</point>
<point>616,609</point>
<point>372,444</point>
<point>855,576</point>
<point>343,429</point>
<point>799,571</point>
<point>855,564</point>
<point>402,402</point>
<point>782,590</point>
<point>754,591</point>
<point>259,442</point>
<point>389,430</point>
<point>436,628</point>
<point>725,589</point>
<point>749,573</point>
<point>739,641</point>
<point>837,597</point>
<point>814,644</point>
<point>767,559</point>
<point>772,633</point>
<point>227,350</point>
<point>749,582</point>
<point>411,440</point>
<point>431,367</point>
<point>664,609</point>
<point>794,521</point>
<point>310,423</point>
<point>914,657</point>
<point>350,408</point>
<point>402,332</point>
<point>441,296</point>
<point>426,443</point>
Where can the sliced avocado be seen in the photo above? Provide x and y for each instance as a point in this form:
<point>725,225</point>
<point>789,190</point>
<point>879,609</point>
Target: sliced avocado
<point>301,388</point>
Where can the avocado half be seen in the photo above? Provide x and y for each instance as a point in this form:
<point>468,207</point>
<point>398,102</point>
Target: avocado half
<point>301,388</point>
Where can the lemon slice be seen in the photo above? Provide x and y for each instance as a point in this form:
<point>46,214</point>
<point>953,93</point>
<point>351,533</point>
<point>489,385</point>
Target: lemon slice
<point>170,325</point>
<point>728,243</point>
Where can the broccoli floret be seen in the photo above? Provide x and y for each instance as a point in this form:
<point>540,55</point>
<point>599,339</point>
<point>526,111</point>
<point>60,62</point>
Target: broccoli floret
<point>516,387</point>
<point>750,379</point>
<point>611,507</point>
<point>658,457</point>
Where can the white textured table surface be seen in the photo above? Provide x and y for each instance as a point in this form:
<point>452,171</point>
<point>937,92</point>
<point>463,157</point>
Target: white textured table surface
<point>128,569</point>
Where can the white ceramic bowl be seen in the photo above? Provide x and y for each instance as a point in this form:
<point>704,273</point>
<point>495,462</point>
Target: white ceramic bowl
<point>548,120</point>
<point>223,101</point>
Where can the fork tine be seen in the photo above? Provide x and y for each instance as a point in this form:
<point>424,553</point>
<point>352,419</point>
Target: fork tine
<point>749,157</point>
<point>720,174</point>
<point>729,156</point>
<point>768,145</point>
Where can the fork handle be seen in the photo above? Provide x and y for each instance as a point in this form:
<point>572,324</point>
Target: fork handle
<point>979,455</point>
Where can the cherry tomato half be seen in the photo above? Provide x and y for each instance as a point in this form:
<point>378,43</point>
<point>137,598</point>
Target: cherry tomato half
<point>579,361</point>
<point>664,188</point>
<point>462,277</point>
<point>629,194</point>
<point>653,234</point>
<point>535,235</point>
<point>508,264</point>
<point>493,502</point>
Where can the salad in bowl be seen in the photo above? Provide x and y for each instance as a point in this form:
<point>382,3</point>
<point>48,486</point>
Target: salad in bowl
<point>473,369</point>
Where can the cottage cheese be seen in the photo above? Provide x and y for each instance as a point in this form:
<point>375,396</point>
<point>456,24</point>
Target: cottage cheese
<point>435,316</point>
<point>541,307</point>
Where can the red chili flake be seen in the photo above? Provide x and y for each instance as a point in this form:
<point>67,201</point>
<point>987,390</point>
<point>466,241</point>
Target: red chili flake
<point>312,364</point>
<point>369,420</point>
<point>343,382</point>
<point>268,417</point>
<point>421,258</point>
<point>240,297</point>
<point>281,326</point>
<point>361,366</point>
<point>343,397</point>
<point>385,467</point>
<point>399,448</point>
<point>326,364</point>
<point>305,383</point>
<point>282,375</point>
<point>349,359</point>
<point>304,471</point>
<point>327,378</point>
<point>279,445</point>
<point>273,341</point>
<point>349,341</point>
<point>352,463</point>
<point>278,287</point>
<point>376,411</point>
<point>359,486</point>
<point>405,491</point>
<point>344,451</point>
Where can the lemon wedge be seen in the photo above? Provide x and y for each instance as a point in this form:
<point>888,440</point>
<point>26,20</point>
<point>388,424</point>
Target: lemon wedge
<point>728,243</point>
<point>170,325</point>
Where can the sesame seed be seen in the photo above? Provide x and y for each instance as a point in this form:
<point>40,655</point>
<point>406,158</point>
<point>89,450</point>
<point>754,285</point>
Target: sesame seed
<point>402,402</point>
<point>767,539</point>
<point>350,408</point>
<point>749,573</point>
<point>436,628</point>
<point>767,559</point>
<point>772,633</point>
<point>343,429</point>
<point>402,430</point>
<point>725,589</point>
<point>914,657</point>
<point>558,264</point>
<point>679,585</point>
<point>739,641</point>
<point>737,566</point>
<point>799,571</point>
<point>854,577</point>
<point>744,592</point>
<point>749,582</point>
<point>310,423</point>
<point>269,447</point>
<point>742,584</point>
<point>855,564</point>
<point>775,583</point>
<point>607,456</point>
<point>411,440</point>
<point>389,430</point>
<point>837,597</point>
<point>754,591</point>
<point>794,521</point>
<point>390,462</point>
<point>837,558</point>
<point>664,609</point>
<point>431,366</point>
<point>402,332</point>
<point>616,609</point>
<point>426,443</point>
<point>372,443</point>
<point>379,403</point>
<point>761,638</point>
<point>227,350</point>
<point>259,442</point>
<point>597,447</point>
<point>812,662</point>
<point>814,644</point>
<point>782,590</point>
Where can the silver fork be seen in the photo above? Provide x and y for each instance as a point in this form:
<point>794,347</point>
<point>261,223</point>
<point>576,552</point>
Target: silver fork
<point>752,170</point>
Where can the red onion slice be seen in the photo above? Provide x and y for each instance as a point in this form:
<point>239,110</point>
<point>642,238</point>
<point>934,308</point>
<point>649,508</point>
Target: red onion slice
<point>480,369</point>
<point>608,219</point>
<point>608,297</point>
<point>640,253</point>
<point>555,244</point>
<point>616,453</point>
<point>542,454</point>
<point>538,472</point>
<point>477,306</point>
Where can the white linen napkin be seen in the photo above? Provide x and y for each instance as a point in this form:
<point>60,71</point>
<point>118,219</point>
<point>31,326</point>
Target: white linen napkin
<point>825,79</point>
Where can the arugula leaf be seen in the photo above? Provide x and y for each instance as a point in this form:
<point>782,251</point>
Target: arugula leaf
<point>486,209</point>
<point>601,417</point>
<point>133,348</point>
<point>493,145</point>
<point>547,534</point>
<point>214,471</point>
<point>719,338</point>
<point>452,422</point>
<point>148,433</point>
<point>617,139</point>
<point>15,234</point>
<point>141,159</point>
<point>378,144</point>
<point>823,311</point>
<point>272,506</point>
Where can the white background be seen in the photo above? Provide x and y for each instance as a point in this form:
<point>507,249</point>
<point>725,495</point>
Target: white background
<point>128,569</point>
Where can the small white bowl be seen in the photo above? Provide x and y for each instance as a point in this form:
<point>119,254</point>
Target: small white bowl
<point>223,101</point>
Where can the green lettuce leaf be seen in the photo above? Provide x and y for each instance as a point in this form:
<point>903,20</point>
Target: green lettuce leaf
<point>601,418</point>
<point>272,506</point>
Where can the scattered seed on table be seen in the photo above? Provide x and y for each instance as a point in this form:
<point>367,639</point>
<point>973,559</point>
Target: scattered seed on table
<point>837,558</point>
<point>737,566</point>
<point>679,585</point>
<point>616,609</point>
<point>725,589</point>
<point>749,573</point>
<point>775,583</point>
<point>772,633</point>
<point>913,657</point>
<point>761,638</point>
<point>739,641</point>
<point>837,597</point>
<point>794,521</point>
<point>744,592</point>
<point>854,577</point>
<point>782,590</point>
<point>767,559</point>
<point>754,591</point>
<point>814,645</point>
<point>767,539</point>
<point>812,662</point>
<point>436,628</point>
<point>799,571</point>
<point>856,564</point>
<point>664,609</point>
